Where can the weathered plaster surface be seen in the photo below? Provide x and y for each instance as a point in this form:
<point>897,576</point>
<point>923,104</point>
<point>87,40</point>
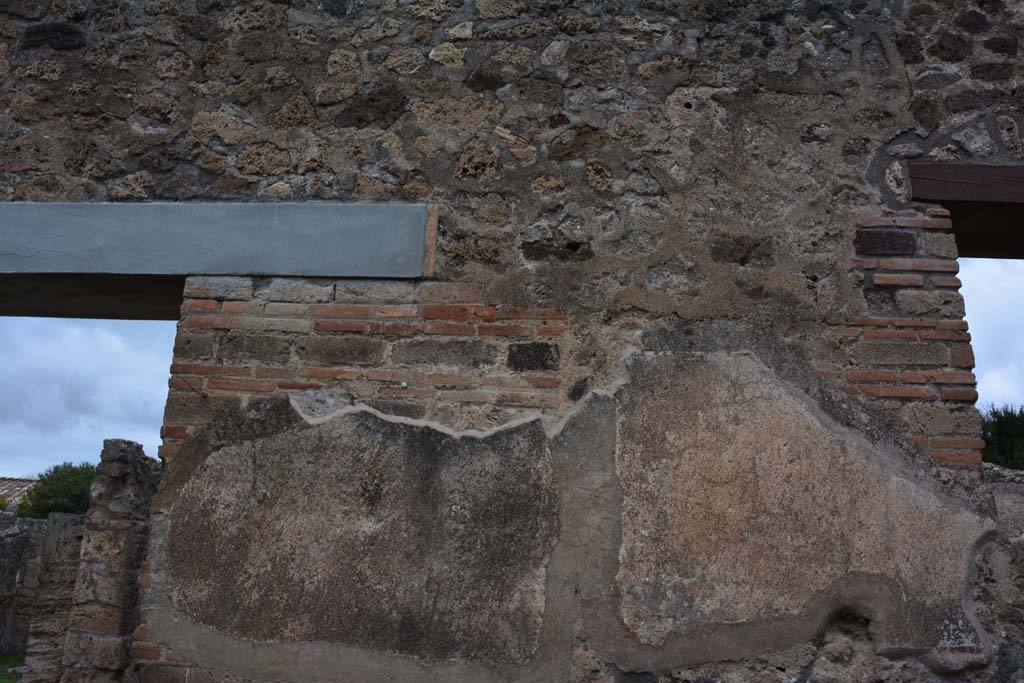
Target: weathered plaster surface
<point>711,508</point>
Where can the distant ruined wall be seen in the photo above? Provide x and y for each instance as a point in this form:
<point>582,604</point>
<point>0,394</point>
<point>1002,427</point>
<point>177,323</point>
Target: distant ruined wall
<point>104,611</point>
<point>690,397</point>
<point>69,584</point>
<point>19,540</point>
<point>51,572</point>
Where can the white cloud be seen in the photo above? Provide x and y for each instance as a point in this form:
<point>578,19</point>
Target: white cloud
<point>994,294</point>
<point>69,384</point>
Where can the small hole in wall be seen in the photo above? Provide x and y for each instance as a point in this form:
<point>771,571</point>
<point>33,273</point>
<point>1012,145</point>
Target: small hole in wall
<point>70,383</point>
<point>993,291</point>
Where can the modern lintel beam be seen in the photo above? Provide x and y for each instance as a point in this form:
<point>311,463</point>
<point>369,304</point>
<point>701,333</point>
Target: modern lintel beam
<point>129,260</point>
<point>986,202</point>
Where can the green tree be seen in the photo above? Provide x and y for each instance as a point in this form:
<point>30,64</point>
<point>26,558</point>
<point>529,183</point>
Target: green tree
<point>3,503</point>
<point>62,488</point>
<point>1003,429</point>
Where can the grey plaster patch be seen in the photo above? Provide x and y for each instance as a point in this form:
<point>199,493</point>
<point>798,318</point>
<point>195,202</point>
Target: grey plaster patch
<point>204,238</point>
<point>744,505</point>
<point>371,534</point>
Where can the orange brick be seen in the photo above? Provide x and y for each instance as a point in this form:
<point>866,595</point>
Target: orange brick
<point>958,394</point>
<point>891,391</point>
<point>219,370</point>
<point>200,306</point>
<point>291,385</point>
<point>897,279</point>
<point>275,373</point>
<point>520,313</point>
<point>186,383</point>
<point>336,311</point>
<point>544,382</point>
<point>871,375</point>
<point>506,330</point>
<point>944,335</point>
<point>552,330</point>
<point>936,377</point>
<point>339,326</point>
<point>862,321</point>
<point>925,264</point>
<point>248,385</point>
<point>913,322</point>
<point>454,329</point>
<point>946,281</point>
<point>971,458</point>
<point>968,443</point>
<point>408,311</point>
<point>890,334</point>
<point>331,373</point>
<point>458,313</point>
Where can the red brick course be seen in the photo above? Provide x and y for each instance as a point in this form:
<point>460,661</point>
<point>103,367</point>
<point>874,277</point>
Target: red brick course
<point>263,347</point>
<point>913,347</point>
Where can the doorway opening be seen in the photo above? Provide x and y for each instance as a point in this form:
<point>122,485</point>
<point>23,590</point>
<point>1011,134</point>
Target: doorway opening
<point>986,203</point>
<point>69,383</point>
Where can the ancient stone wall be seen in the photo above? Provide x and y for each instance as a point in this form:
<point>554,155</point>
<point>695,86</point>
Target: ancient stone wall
<point>104,610</point>
<point>692,384</point>
<point>19,540</point>
<point>50,586</point>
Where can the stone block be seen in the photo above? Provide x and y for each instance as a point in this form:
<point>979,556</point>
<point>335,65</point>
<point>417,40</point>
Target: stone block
<point>192,345</point>
<point>340,350</point>
<point>941,303</point>
<point>899,353</point>
<point>240,347</point>
<point>885,243</point>
<point>374,291</point>
<point>533,356</point>
<point>459,353</point>
<point>216,287</point>
<point>296,290</point>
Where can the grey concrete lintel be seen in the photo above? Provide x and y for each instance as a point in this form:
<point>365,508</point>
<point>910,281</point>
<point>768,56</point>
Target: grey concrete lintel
<point>314,239</point>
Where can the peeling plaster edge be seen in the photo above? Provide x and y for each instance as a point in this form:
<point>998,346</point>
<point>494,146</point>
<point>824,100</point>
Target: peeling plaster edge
<point>551,423</point>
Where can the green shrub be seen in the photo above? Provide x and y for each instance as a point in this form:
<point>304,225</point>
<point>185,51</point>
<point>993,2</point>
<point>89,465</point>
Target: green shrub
<point>3,503</point>
<point>62,488</point>
<point>1003,429</point>
<point>9,662</point>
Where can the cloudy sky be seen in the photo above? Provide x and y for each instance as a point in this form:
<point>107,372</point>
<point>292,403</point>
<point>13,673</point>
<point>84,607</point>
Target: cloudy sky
<point>68,384</point>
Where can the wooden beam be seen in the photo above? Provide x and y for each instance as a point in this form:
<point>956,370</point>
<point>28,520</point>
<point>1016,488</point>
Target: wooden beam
<point>120,297</point>
<point>932,181</point>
